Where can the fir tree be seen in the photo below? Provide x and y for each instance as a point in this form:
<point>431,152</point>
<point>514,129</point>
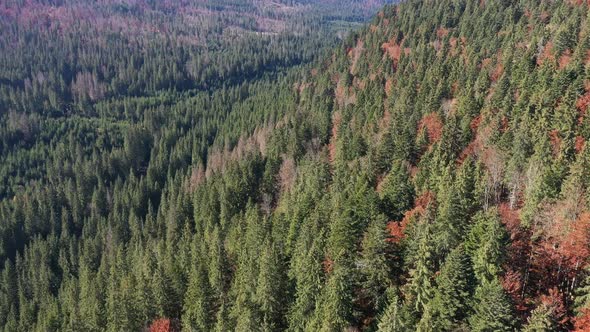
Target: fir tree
<point>492,310</point>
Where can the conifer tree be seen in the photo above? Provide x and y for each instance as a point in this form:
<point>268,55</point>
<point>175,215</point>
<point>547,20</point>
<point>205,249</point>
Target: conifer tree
<point>391,319</point>
<point>454,287</point>
<point>196,312</point>
<point>307,271</point>
<point>485,244</point>
<point>420,286</point>
<point>270,291</point>
<point>375,268</point>
<point>91,306</point>
<point>396,192</point>
<point>334,308</point>
<point>451,219</point>
<point>492,308</point>
<point>540,320</point>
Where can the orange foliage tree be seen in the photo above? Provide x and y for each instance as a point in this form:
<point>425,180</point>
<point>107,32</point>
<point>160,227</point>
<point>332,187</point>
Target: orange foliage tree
<point>165,325</point>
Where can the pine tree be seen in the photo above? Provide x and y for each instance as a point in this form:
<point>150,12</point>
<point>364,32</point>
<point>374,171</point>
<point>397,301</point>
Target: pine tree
<point>69,305</point>
<point>334,308</point>
<point>420,287</point>
<point>221,321</point>
<point>217,264</point>
<point>144,296</point>
<point>270,289</point>
<point>384,152</point>
<point>375,268</point>
<point>451,219</point>
<point>113,296</point>
<point>540,320</point>
<point>162,292</point>
<point>391,319</point>
<point>91,306</point>
<point>306,270</point>
<point>454,287</point>
<point>582,295</point>
<point>8,292</point>
<point>492,308</point>
<point>246,238</point>
<point>485,244</point>
<point>196,312</point>
<point>396,191</point>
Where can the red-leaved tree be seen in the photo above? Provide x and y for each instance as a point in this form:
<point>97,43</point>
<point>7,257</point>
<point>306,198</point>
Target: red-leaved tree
<point>165,325</point>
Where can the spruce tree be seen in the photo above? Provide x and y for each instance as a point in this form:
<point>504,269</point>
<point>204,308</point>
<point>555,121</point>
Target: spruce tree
<point>196,312</point>
<point>454,288</point>
<point>492,310</point>
<point>540,320</point>
<point>396,191</point>
<point>270,293</point>
<point>485,244</point>
<point>391,319</point>
<point>374,263</point>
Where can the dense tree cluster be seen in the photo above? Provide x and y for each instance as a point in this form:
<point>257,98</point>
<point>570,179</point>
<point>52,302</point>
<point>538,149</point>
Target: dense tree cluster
<point>60,57</point>
<point>429,174</point>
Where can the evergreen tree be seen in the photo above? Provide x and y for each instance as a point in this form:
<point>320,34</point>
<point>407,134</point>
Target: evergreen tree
<point>396,192</point>
<point>159,168</point>
<point>485,244</point>
<point>375,268</point>
<point>450,303</point>
<point>196,313</point>
<point>451,219</point>
<point>334,308</point>
<point>307,272</point>
<point>492,310</point>
<point>420,286</point>
<point>91,305</point>
<point>270,293</point>
<point>540,320</point>
<point>391,318</point>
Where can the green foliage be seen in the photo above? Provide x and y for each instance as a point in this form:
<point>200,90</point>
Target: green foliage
<point>485,243</point>
<point>226,166</point>
<point>491,309</point>
<point>451,302</point>
<point>334,305</point>
<point>420,285</point>
<point>375,266</point>
<point>540,320</point>
<point>196,314</point>
<point>391,319</point>
<point>582,299</point>
<point>397,192</point>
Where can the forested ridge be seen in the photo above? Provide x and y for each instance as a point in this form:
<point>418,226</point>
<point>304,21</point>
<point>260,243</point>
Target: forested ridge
<point>429,173</point>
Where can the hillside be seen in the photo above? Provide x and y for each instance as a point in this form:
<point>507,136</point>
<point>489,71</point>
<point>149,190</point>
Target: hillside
<point>430,173</point>
<point>58,53</point>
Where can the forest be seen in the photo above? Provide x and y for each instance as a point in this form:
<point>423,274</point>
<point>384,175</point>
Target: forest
<point>253,166</point>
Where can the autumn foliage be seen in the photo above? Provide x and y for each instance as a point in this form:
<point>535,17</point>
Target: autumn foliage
<point>582,321</point>
<point>545,261</point>
<point>395,50</point>
<point>555,140</point>
<point>164,325</point>
<point>554,300</point>
<point>547,54</point>
<point>433,126</point>
<point>332,145</point>
<point>397,228</point>
<point>449,179</point>
<point>565,59</point>
<point>579,144</point>
<point>328,265</point>
<point>582,104</point>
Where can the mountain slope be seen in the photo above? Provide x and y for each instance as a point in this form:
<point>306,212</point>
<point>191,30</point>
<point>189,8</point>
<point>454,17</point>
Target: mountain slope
<point>483,107</point>
<point>429,174</point>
